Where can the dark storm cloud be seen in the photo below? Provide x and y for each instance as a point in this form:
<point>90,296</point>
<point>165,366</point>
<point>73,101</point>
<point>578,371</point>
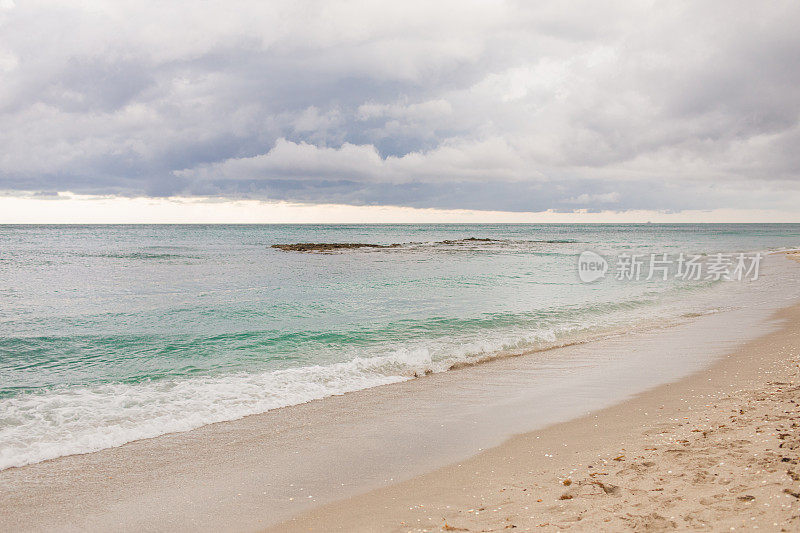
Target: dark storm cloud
<point>502,106</point>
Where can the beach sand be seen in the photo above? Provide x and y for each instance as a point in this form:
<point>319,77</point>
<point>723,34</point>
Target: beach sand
<point>718,451</point>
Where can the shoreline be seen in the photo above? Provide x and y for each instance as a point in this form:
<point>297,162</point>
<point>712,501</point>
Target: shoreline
<point>718,449</point>
<point>264,390</point>
<point>255,472</point>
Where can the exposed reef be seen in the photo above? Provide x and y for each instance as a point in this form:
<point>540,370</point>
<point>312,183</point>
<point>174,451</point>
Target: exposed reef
<point>328,246</point>
<point>335,246</point>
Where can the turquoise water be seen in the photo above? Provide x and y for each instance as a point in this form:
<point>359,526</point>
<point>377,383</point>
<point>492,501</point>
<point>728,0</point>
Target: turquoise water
<point>117,333</point>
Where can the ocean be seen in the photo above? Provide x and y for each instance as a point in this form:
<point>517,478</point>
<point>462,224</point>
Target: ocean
<point>110,334</point>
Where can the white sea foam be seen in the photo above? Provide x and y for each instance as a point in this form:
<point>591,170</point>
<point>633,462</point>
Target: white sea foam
<point>38,426</point>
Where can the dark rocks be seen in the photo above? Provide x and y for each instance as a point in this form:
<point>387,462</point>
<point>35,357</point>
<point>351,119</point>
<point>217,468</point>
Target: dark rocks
<point>328,246</point>
<point>337,246</point>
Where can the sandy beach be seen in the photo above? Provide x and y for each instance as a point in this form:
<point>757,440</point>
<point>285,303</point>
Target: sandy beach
<point>716,451</point>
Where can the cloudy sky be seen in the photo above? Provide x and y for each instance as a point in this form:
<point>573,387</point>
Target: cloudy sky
<point>497,106</point>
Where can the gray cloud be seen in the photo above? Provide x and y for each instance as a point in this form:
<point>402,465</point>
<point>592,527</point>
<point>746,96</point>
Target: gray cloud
<point>450,104</point>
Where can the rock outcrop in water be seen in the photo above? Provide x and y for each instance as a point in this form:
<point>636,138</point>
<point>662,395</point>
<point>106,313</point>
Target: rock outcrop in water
<point>328,246</point>
<point>336,246</point>
<point>467,240</point>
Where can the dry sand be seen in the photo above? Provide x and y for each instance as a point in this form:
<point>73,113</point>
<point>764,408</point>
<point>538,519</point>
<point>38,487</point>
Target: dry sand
<point>716,451</point>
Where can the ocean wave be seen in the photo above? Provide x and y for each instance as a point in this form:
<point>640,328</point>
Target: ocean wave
<point>63,421</point>
<point>45,424</point>
<point>42,424</point>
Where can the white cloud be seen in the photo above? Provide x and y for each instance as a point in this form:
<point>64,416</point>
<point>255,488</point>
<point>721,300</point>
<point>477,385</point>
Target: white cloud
<point>479,160</point>
<point>605,198</point>
<point>420,111</point>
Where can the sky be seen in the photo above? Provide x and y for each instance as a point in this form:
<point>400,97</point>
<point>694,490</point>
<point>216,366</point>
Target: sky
<point>399,111</point>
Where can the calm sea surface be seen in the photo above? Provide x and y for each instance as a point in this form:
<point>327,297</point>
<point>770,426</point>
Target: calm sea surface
<point>115,333</point>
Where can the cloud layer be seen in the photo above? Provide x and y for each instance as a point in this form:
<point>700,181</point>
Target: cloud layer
<point>474,105</point>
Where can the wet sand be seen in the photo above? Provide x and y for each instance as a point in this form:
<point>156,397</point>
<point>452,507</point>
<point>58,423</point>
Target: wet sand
<point>719,450</point>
